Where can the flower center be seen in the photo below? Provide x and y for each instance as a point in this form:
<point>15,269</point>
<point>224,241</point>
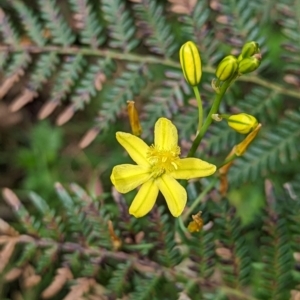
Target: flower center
<point>163,160</point>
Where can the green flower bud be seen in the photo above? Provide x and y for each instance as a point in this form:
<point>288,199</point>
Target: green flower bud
<point>226,68</point>
<point>242,123</point>
<point>248,50</point>
<point>249,64</point>
<point>190,63</point>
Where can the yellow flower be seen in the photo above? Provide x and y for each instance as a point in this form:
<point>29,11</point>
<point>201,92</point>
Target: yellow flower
<point>157,169</point>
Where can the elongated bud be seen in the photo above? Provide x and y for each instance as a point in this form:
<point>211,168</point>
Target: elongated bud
<point>134,119</point>
<point>241,148</point>
<point>249,64</point>
<point>227,68</point>
<point>248,50</point>
<point>242,123</point>
<point>190,63</point>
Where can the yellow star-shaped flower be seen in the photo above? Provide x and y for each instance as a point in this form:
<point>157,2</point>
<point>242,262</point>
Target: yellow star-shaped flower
<point>157,169</point>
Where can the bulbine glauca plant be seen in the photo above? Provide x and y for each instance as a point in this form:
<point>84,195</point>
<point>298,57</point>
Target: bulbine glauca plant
<point>159,166</point>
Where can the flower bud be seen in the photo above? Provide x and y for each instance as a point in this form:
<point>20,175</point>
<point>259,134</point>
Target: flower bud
<point>242,123</point>
<point>249,64</point>
<point>248,50</point>
<point>133,115</point>
<point>226,68</point>
<point>190,63</point>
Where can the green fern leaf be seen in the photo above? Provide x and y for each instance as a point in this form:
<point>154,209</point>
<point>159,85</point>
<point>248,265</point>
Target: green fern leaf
<point>61,33</point>
<point>90,29</point>
<point>30,22</point>
<point>154,27</point>
<point>121,28</point>
<point>8,30</point>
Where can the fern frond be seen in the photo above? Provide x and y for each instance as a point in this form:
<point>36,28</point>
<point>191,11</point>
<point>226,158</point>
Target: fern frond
<point>162,236</point>
<point>290,27</point>
<point>18,63</point>
<point>119,282</point>
<point>30,22</point>
<point>277,145</point>
<point>8,31</point>
<point>232,250</point>
<point>167,99</point>
<point>61,33</point>
<point>125,87</point>
<point>41,72</point>
<point>120,26</point>
<point>262,103</point>
<point>90,29</point>
<point>154,28</point>
<point>275,277</point>
<point>145,288</point>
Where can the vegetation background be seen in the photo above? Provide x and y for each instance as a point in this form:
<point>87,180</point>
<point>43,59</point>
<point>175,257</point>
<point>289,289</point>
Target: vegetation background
<point>67,70</point>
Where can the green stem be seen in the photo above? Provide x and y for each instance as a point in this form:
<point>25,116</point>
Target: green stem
<point>199,199</point>
<point>200,107</point>
<point>208,120</point>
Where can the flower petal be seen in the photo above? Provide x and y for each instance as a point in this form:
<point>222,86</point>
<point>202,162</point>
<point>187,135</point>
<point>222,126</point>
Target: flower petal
<point>165,134</point>
<point>136,147</point>
<point>174,194</point>
<point>193,168</point>
<point>144,200</point>
<point>127,177</point>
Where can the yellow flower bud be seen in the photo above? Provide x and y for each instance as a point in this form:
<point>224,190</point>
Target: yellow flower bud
<point>249,64</point>
<point>248,50</point>
<point>242,123</point>
<point>190,63</point>
<point>135,125</point>
<point>227,67</point>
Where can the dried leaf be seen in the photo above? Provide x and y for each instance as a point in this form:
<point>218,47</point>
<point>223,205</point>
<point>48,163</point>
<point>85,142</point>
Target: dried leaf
<point>26,97</point>
<point>11,198</point>
<point>6,229</point>
<point>66,115</point>
<point>47,109</point>
<point>89,137</point>
<point>7,252</point>
<point>82,286</point>
<point>9,82</point>
<point>29,278</point>
<point>63,275</point>
<point>13,274</point>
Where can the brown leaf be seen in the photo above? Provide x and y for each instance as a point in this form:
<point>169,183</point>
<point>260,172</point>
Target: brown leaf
<point>47,109</point>
<point>6,229</point>
<point>26,97</point>
<point>89,136</point>
<point>63,275</point>
<point>11,198</point>
<point>6,253</point>
<point>81,287</point>
<point>66,115</point>
<point>9,82</point>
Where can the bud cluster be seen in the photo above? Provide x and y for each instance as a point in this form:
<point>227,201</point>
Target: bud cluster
<point>248,61</point>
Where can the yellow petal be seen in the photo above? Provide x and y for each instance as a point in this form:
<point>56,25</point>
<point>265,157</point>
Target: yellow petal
<point>165,134</point>
<point>127,177</point>
<point>174,194</point>
<point>136,147</point>
<point>144,200</point>
<point>193,168</point>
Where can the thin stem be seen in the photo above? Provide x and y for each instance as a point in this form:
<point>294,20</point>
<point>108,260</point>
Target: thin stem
<point>208,120</point>
<point>200,107</point>
<point>199,199</point>
<point>228,160</point>
<point>146,59</point>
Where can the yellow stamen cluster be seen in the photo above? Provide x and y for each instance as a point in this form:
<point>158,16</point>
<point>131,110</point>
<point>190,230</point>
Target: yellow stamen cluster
<point>163,160</point>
